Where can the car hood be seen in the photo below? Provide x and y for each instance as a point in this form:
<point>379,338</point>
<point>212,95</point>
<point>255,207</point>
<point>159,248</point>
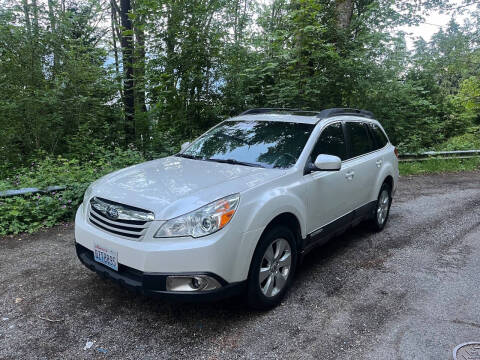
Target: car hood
<point>174,186</point>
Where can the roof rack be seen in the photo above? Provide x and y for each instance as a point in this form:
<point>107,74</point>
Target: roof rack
<point>327,113</point>
<point>324,114</point>
<point>278,110</point>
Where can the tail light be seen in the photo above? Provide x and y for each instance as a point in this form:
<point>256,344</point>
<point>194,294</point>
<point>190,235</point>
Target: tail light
<point>396,152</point>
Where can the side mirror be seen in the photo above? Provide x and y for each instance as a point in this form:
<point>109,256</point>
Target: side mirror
<point>185,145</point>
<point>325,162</point>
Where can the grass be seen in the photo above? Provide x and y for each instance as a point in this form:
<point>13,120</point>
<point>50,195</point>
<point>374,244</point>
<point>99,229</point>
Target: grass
<point>433,166</point>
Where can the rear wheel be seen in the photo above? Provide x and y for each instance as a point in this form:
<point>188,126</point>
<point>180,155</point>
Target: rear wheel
<point>272,268</point>
<point>382,208</point>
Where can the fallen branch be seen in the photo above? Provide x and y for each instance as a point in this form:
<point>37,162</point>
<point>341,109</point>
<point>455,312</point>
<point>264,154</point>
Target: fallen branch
<point>51,320</point>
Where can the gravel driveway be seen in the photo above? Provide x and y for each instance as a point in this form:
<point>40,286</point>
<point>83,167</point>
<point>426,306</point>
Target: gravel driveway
<point>409,292</point>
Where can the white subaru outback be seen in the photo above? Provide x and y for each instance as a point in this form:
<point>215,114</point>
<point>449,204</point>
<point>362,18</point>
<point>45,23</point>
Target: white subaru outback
<point>236,210</point>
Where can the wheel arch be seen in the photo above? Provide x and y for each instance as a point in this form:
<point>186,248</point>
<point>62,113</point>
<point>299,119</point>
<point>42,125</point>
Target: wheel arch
<point>386,176</point>
<point>289,220</point>
<point>389,180</point>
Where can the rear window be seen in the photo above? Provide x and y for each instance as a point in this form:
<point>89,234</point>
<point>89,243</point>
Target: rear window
<point>360,141</point>
<point>378,136</point>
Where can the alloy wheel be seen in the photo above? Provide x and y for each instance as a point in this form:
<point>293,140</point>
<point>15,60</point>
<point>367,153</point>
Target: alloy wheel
<point>275,267</point>
<point>383,207</point>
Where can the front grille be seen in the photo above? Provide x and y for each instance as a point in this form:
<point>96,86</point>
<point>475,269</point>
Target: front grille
<point>131,224</point>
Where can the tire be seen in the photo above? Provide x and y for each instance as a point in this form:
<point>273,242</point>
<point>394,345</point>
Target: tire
<point>272,268</point>
<point>382,208</point>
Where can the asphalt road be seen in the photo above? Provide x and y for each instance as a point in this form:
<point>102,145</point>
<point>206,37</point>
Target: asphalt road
<point>409,292</point>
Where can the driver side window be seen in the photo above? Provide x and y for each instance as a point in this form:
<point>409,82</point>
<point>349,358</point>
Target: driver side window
<point>331,142</point>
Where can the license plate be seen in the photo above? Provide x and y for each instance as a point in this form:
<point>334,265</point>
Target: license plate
<point>106,257</point>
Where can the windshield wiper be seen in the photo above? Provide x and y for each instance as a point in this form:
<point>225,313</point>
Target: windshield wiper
<point>235,162</point>
<point>187,156</point>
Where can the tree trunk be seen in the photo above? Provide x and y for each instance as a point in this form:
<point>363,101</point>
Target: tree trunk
<point>35,19</point>
<point>26,11</point>
<point>170,51</point>
<point>140,63</point>
<point>236,22</point>
<point>51,17</point>
<point>35,39</point>
<point>113,24</point>
<point>344,10</point>
<point>126,41</point>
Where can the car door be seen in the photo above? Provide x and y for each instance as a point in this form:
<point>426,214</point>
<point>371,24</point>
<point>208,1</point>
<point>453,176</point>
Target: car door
<point>379,141</point>
<point>326,194</point>
<point>361,163</point>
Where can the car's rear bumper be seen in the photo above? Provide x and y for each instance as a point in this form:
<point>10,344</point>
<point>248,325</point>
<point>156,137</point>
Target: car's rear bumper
<point>154,284</point>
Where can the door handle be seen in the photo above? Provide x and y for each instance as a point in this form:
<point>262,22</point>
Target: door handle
<point>350,175</point>
<point>379,163</point>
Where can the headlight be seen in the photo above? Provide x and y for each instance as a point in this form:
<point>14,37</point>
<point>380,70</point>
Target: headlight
<point>204,221</point>
<point>86,198</point>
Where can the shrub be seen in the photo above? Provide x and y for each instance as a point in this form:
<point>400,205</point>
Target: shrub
<point>29,213</point>
<point>468,141</point>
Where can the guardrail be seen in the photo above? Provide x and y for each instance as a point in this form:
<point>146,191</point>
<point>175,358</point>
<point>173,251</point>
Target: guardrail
<point>441,155</point>
<point>30,191</point>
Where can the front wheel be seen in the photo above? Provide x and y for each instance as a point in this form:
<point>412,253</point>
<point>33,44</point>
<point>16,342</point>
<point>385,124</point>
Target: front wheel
<point>272,268</point>
<point>382,208</point>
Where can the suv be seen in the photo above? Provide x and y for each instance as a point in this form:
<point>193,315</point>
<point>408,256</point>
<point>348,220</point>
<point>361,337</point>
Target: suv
<point>235,211</point>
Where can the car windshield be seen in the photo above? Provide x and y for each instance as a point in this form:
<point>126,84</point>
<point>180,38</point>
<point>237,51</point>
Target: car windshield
<point>269,144</point>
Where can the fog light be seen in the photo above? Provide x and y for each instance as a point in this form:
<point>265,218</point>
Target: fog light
<point>198,283</point>
<point>192,283</point>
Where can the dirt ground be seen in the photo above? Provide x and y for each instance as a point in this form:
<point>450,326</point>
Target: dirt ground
<point>409,292</point>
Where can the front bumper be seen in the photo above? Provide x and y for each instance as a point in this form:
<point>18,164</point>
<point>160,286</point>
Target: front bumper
<point>154,284</point>
<point>226,253</point>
